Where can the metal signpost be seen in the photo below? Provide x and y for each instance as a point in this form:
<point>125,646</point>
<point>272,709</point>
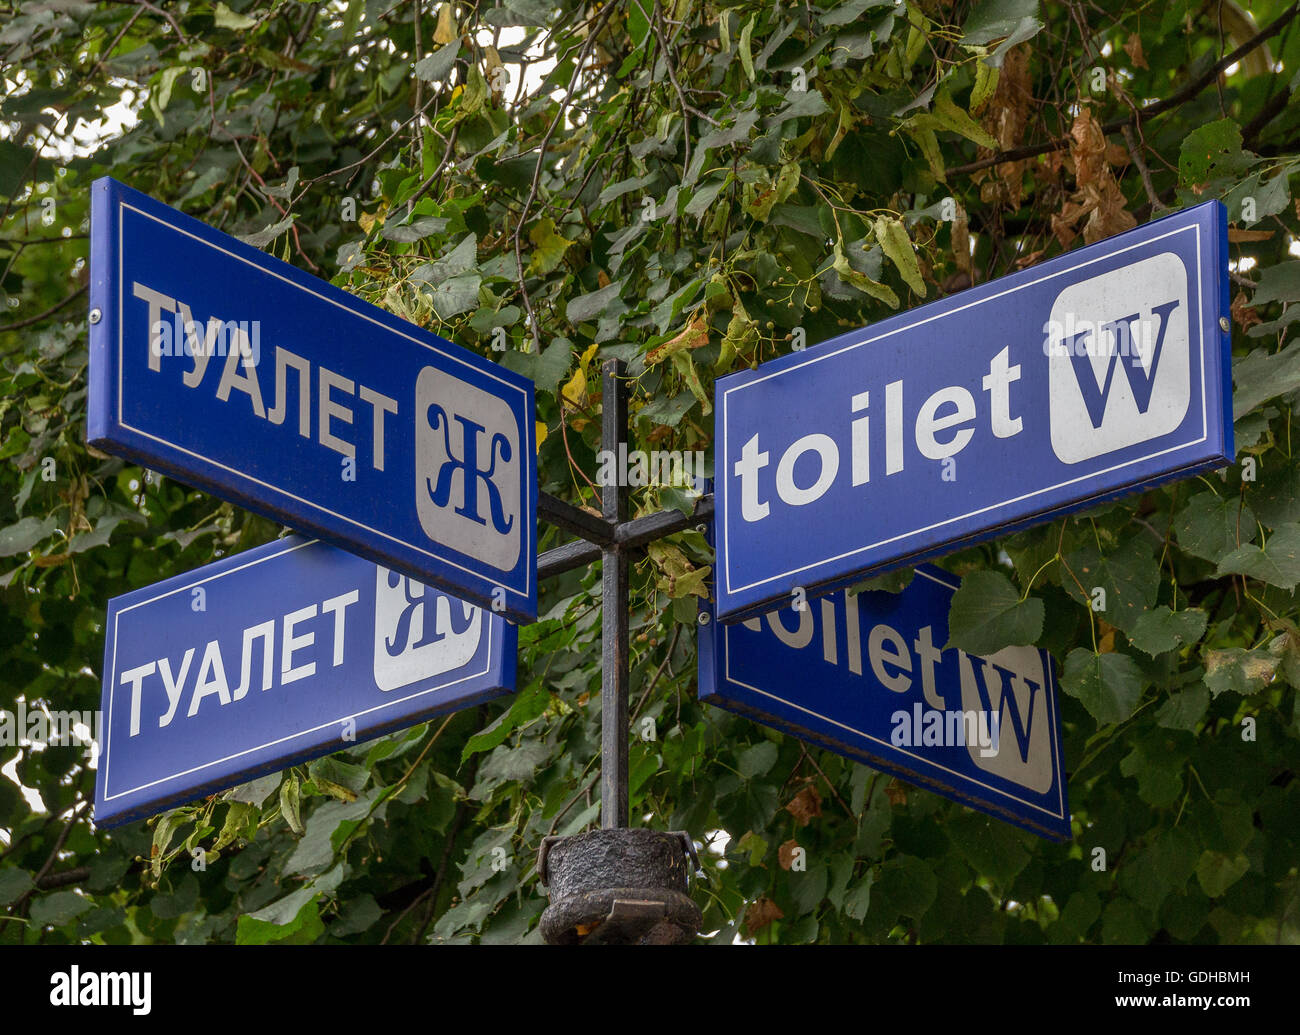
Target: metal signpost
<point>866,675</point>
<point>272,657</point>
<point>1091,375</point>
<point>237,373</point>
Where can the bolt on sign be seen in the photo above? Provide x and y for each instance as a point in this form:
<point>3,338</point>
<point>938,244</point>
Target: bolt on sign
<point>1092,375</point>
<point>237,373</point>
<point>275,656</point>
<point>868,676</point>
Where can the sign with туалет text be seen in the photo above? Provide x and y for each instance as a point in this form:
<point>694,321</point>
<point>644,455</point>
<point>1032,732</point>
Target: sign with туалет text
<point>237,373</point>
<point>274,656</point>
<point>1094,374</point>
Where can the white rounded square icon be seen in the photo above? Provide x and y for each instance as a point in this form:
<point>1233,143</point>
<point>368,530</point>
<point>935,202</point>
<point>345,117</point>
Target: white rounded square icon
<point>1010,689</point>
<point>468,486</point>
<point>1119,358</point>
<point>420,632</point>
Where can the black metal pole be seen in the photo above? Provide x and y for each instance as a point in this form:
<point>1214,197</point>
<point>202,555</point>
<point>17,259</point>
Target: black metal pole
<point>614,603</point>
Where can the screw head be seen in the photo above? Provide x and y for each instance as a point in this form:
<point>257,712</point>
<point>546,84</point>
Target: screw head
<point>95,315</point>
<point>702,618</point>
<point>1224,325</point>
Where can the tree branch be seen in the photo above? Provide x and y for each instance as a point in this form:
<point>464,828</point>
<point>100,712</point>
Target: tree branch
<point>1149,111</point>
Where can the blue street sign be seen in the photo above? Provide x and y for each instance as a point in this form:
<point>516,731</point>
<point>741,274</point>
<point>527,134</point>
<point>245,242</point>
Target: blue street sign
<point>237,373</point>
<point>1091,375</point>
<point>866,676</point>
<point>274,656</point>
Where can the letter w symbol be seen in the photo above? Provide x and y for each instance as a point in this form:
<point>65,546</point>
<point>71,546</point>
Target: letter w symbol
<point>1021,725</point>
<point>1140,381</point>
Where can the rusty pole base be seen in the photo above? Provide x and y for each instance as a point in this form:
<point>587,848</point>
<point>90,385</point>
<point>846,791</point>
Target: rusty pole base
<point>618,887</point>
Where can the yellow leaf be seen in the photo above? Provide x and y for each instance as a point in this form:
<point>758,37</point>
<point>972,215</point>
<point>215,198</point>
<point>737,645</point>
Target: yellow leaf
<point>953,118</point>
<point>986,81</point>
<point>574,394</point>
<point>695,335</point>
<point>549,247</point>
<point>893,239</point>
<point>541,433</point>
<point>446,30</point>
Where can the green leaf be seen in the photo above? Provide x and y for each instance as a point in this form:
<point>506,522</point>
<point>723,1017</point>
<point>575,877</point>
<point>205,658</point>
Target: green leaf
<point>14,883</point>
<point>858,900</point>
<point>597,303</point>
<point>892,237</point>
<point>757,760</point>
<point>455,295</point>
<point>289,800</point>
<point>1109,685</point>
<point>1280,283</point>
<point>165,84</point>
<point>265,236</point>
<point>1129,576</point>
<point>526,706</point>
<point>1217,872</point>
<point>1211,151</point>
<point>293,920</point>
<point>1010,21</point>
<point>167,826</point>
<point>435,67</point>
<point>1163,630</point>
<point>1210,526</point>
<point>255,792</point>
<point>1239,670</point>
<point>1263,375</point>
<point>418,230</point>
<point>746,55</point>
<point>545,370</point>
<point>241,824</point>
<point>906,885</point>
<point>1122,923</point>
<point>1185,708</point>
<point>225,18</point>
<point>860,280</point>
<point>21,537</point>
<point>58,908</point>
<point>891,582</point>
<point>1159,777</point>
<point>1277,562</point>
<point>987,614</point>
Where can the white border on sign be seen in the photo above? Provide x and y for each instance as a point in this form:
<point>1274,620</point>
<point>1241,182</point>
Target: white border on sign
<point>1194,228</point>
<point>113,686</point>
<point>528,433</point>
<point>1057,774</point>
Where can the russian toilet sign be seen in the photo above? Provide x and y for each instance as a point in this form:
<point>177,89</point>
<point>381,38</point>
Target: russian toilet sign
<point>274,656</point>
<point>222,366</point>
<point>1092,375</point>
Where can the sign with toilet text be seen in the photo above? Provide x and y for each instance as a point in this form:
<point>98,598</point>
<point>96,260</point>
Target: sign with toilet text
<point>868,676</point>
<point>1089,376</point>
<point>274,656</point>
<point>231,370</point>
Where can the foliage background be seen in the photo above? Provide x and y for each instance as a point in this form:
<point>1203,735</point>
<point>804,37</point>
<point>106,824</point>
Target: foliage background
<point>658,188</point>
